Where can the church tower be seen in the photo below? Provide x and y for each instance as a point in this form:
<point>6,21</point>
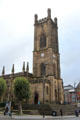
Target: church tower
<point>46,60</point>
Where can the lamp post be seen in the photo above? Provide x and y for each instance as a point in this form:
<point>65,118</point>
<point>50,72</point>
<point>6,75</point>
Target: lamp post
<point>75,92</point>
<point>43,75</point>
<point>58,95</point>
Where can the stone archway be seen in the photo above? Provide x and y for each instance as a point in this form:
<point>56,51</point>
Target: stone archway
<point>36,97</point>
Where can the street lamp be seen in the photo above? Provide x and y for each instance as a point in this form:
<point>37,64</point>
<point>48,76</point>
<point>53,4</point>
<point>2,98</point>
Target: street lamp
<point>75,92</point>
<point>43,73</point>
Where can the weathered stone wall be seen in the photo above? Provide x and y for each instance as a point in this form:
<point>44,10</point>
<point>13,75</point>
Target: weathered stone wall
<point>37,87</point>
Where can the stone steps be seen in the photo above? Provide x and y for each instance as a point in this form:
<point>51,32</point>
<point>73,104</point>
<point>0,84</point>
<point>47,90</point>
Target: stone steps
<point>46,108</point>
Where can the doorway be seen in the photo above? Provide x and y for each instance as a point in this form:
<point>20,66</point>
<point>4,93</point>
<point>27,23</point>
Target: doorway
<point>36,96</point>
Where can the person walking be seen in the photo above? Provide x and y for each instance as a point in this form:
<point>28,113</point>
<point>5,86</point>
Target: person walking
<point>76,113</point>
<point>6,109</point>
<point>61,112</point>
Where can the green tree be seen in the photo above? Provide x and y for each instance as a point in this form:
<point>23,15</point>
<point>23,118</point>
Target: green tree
<point>3,87</point>
<point>21,90</point>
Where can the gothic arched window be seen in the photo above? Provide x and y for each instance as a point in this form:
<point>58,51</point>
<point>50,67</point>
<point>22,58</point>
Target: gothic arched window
<point>43,69</point>
<point>42,41</point>
<point>54,70</point>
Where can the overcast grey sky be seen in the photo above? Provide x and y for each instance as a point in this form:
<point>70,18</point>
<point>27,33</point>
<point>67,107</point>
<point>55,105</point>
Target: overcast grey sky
<point>17,34</point>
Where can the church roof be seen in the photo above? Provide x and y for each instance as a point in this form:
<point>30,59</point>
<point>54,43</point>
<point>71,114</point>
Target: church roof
<point>78,86</point>
<point>68,87</point>
<point>19,74</point>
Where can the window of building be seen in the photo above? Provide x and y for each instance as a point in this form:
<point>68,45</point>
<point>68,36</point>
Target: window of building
<point>55,93</point>
<point>43,69</point>
<point>42,41</point>
<point>54,70</point>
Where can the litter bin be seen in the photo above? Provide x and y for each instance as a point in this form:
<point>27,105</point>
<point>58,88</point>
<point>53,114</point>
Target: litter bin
<point>54,113</point>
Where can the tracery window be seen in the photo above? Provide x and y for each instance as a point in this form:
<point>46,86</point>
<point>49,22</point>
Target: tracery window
<point>42,41</point>
<point>43,69</point>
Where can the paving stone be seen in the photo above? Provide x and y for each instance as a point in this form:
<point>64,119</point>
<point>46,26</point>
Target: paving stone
<point>39,118</point>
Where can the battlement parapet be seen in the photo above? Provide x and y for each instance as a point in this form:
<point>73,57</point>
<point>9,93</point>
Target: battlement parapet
<point>46,19</point>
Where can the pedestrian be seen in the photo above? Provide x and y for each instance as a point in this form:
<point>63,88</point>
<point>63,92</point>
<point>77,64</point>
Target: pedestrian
<point>43,115</point>
<point>76,113</point>
<point>6,109</point>
<point>61,112</point>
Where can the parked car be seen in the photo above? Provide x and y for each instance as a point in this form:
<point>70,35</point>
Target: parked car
<point>54,113</point>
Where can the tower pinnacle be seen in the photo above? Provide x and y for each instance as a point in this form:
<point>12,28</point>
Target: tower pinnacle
<point>12,69</point>
<point>49,13</point>
<point>3,70</point>
<point>23,69</point>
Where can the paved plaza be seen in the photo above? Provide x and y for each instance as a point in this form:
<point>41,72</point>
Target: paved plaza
<point>39,118</point>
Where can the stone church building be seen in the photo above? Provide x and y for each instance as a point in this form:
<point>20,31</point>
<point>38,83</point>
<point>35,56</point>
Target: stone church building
<point>45,83</point>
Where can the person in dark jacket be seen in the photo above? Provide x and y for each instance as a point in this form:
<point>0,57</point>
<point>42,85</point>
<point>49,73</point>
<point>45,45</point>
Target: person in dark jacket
<point>76,113</point>
<point>61,112</point>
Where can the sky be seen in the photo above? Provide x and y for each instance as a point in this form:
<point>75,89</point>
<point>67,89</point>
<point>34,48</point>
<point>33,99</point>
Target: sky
<point>17,34</point>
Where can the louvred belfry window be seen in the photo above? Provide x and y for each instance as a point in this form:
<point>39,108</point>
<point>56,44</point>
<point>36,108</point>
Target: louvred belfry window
<point>42,41</point>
